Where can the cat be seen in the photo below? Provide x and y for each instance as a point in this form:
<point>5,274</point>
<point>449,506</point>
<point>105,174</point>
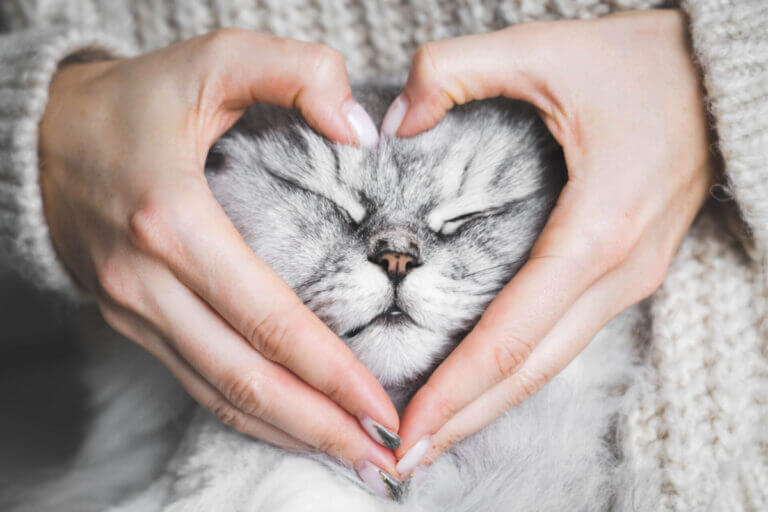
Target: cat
<point>398,249</point>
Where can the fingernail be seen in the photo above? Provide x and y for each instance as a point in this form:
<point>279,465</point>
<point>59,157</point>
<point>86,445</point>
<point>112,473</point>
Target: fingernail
<point>412,459</point>
<point>394,116</point>
<point>381,483</point>
<point>418,475</point>
<point>380,433</point>
<point>361,123</point>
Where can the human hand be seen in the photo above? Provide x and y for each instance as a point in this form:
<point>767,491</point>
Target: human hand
<point>622,96</point>
<point>123,145</point>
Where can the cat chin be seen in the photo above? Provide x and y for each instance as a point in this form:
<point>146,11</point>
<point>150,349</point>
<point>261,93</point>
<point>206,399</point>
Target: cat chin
<point>399,355</point>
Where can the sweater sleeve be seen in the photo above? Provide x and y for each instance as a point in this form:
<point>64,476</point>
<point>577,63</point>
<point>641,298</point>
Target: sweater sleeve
<point>730,39</point>
<point>28,61</point>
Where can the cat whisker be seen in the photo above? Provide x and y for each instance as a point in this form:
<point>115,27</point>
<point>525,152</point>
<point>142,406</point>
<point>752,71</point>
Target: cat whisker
<point>484,270</point>
<point>510,266</point>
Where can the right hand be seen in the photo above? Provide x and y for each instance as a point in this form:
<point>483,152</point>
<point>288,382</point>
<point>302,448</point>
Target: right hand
<point>123,145</point>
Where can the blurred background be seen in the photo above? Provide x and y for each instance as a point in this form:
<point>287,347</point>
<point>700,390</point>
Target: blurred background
<point>42,401</point>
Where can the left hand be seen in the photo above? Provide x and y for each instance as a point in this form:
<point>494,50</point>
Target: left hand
<point>123,145</point>
<point>622,96</point>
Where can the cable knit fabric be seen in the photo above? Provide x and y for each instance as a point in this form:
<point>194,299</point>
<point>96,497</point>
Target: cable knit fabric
<point>698,433</point>
<point>28,60</point>
<point>699,428</point>
<point>732,47</point>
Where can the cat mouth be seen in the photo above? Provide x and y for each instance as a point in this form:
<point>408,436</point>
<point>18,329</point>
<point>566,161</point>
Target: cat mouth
<point>392,317</point>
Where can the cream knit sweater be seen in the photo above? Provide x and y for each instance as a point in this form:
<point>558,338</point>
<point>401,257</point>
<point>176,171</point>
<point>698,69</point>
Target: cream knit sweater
<point>699,431</point>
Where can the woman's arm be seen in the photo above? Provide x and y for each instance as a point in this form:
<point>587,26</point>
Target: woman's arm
<point>623,97</point>
<point>103,159</point>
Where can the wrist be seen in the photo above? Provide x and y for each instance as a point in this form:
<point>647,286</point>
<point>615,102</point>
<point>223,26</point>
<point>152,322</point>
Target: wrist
<point>69,96</point>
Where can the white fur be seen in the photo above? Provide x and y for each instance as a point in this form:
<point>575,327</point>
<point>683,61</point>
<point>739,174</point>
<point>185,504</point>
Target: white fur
<point>547,454</point>
<point>556,451</point>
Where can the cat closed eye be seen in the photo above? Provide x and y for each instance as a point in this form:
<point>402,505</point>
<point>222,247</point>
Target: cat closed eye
<point>450,226</point>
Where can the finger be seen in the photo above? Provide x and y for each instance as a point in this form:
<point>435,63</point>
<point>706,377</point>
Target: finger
<point>638,275</point>
<point>566,260</point>
<point>131,326</point>
<point>591,311</point>
<point>207,254</point>
<point>243,67</point>
<point>249,381</point>
<point>455,71</point>
<point>260,68</point>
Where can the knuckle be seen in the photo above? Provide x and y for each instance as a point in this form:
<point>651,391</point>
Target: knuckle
<point>432,84</point>
<point>270,335</point>
<point>609,244</point>
<point>424,65</point>
<point>156,227</point>
<point>245,394</point>
<point>443,408</point>
<point>114,283</point>
<point>149,227</point>
<point>425,73</point>
<point>327,63</point>
<point>331,445</point>
<point>510,354</point>
<point>333,388</point>
<point>526,384</point>
<point>218,41</point>
<point>226,414</point>
<point>446,441</point>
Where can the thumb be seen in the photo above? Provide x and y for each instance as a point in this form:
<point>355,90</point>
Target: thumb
<point>247,67</point>
<point>454,71</point>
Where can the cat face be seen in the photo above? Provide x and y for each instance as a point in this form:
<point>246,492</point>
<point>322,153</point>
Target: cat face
<point>397,249</point>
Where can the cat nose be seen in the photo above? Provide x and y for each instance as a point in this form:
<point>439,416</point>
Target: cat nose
<point>396,251</point>
<point>395,264</point>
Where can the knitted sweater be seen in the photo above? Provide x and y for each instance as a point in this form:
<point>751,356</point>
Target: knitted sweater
<point>698,432</point>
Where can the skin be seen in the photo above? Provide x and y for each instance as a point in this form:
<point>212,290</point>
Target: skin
<point>135,223</point>
<point>123,145</point>
<point>622,96</point>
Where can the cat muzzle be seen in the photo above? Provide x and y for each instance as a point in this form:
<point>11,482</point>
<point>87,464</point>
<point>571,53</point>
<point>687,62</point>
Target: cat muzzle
<point>396,251</point>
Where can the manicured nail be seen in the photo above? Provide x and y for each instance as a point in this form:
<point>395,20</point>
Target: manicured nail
<point>361,123</point>
<point>394,116</point>
<point>418,475</point>
<point>381,483</point>
<point>412,459</point>
<point>380,433</point>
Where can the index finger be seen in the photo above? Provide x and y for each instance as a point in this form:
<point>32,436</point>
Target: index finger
<point>556,275</point>
<point>472,67</point>
<point>241,67</point>
<point>206,253</point>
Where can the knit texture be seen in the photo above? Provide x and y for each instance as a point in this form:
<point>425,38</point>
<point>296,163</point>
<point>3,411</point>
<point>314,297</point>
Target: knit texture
<point>28,60</point>
<point>699,428</point>
<point>731,44</point>
<point>697,435</point>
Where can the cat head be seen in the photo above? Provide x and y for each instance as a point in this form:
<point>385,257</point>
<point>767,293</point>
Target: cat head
<point>400,248</point>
